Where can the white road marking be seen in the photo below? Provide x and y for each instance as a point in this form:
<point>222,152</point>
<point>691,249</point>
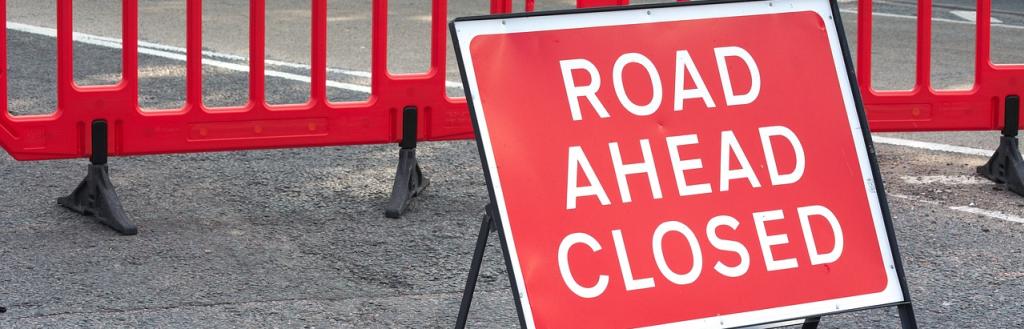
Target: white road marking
<point>989,213</point>
<point>971,15</point>
<point>931,146</point>
<point>944,180</point>
<point>966,209</point>
<point>934,19</point>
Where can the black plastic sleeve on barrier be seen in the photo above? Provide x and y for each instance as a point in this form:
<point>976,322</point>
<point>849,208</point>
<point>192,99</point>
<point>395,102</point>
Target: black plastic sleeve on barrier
<point>409,125</point>
<point>99,143</point>
<point>1012,116</point>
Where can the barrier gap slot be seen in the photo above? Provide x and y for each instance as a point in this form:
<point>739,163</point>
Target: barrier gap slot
<point>1006,39</point>
<point>31,60</point>
<point>226,58</point>
<point>161,79</point>
<point>409,51</point>
<point>97,59</point>
<point>952,68</point>
<point>288,31</point>
<point>348,50</point>
<point>894,62</point>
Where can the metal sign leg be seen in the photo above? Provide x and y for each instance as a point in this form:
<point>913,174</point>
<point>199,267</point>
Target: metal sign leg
<point>474,271</point>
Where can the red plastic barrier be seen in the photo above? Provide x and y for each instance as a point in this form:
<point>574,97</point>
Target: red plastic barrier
<point>194,128</point>
<point>925,109</point>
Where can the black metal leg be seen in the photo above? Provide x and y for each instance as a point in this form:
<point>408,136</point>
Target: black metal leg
<point>474,271</point>
<point>1007,166</point>
<point>95,195</point>
<point>811,323</point>
<point>409,179</point>
<point>907,318</point>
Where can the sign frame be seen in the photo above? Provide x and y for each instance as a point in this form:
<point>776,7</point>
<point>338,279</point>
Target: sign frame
<point>496,220</point>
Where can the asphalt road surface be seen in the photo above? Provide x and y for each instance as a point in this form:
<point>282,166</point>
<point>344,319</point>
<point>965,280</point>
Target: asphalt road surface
<point>296,238</point>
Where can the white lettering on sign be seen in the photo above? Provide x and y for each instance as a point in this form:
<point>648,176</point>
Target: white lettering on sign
<point>687,273</point>
<point>578,161</point>
<point>684,66</point>
<point>731,98</point>
<point>589,91</point>
<point>646,167</point>
<point>563,265</point>
<point>728,174</point>
<point>736,170</point>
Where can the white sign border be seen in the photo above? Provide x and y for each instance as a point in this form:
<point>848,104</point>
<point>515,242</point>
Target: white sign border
<point>467,30</point>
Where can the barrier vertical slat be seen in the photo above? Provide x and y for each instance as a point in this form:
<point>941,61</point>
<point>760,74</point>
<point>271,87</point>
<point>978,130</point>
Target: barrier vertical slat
<point>983,41</point>
<point>379,47</point>
<point>864,23</point>
<point>501,6</point>
<point>924,46</point>
<point>318,53</point>
<point>194,55</point>
<point>439,42</point>
<point>529,6</point>
<point>65,46</point>
<point>257,50</point>
<point>130,50</point>
<point>6,115</point>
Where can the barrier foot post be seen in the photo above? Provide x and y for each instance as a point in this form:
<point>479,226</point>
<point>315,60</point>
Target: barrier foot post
<point>474,270</point>
<point>95,195</point>
<point>1007,166</point>
<point>409,179</point>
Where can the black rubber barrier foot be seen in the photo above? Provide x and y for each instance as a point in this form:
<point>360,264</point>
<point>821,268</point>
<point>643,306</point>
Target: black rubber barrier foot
<point>95,195</point>
<point>1006,165</point>
<point>409,179</point>
<point>409,183</point>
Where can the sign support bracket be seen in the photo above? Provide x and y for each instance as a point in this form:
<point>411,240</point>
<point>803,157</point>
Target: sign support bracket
<point>95,195</point>
<point>488,224</point>
<point>409,179</point>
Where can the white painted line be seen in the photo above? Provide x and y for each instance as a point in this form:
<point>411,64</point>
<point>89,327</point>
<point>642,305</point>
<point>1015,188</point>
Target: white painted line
<point>943,20</point>
<point>210,57</point>
<point>989,213</point>
<point>971,16</point>
<point>944,180</point>
<point>931,146</point>
<point>967,209</point>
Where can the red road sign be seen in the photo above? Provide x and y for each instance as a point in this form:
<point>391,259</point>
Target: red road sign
<point>698,166</point>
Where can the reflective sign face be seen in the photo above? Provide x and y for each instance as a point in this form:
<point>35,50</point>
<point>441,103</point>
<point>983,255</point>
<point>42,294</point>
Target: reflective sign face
<point>693,167</point>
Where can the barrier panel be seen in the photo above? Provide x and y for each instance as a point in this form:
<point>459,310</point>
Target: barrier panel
<point>256,125</point>
<point>406,107</point>
<point>922,108</point>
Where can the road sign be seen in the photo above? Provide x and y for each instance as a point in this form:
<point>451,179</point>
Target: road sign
<point>680,166</point>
